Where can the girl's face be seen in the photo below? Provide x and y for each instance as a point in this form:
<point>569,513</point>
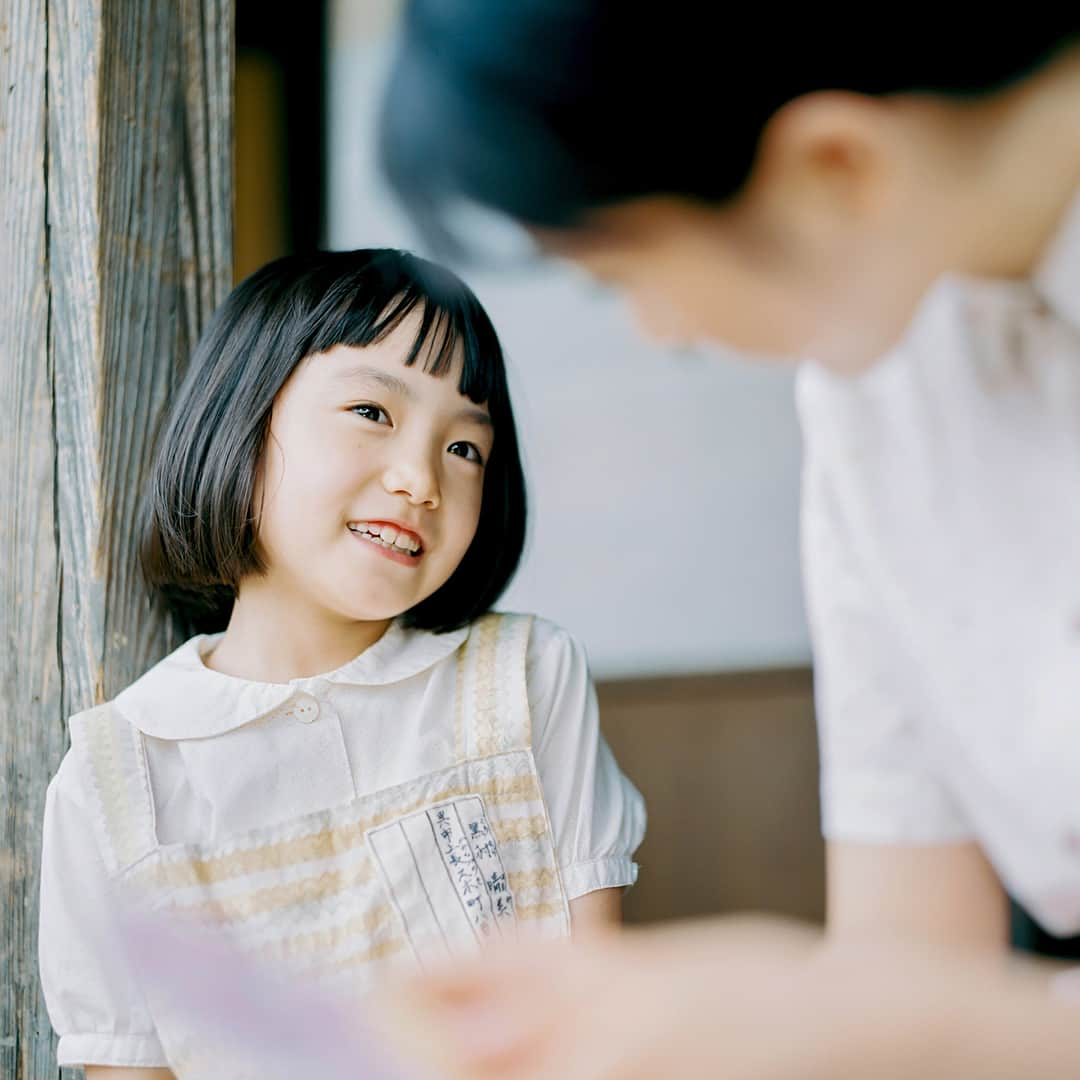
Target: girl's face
<point>371,481</point>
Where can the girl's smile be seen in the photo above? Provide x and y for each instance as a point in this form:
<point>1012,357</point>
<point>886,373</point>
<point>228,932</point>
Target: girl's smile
<point>390,539</point>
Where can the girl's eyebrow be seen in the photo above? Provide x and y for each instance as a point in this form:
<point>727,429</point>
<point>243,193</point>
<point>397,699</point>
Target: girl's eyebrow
<point>476,416</point>
<point>400,387</point>
<point>388,381</point>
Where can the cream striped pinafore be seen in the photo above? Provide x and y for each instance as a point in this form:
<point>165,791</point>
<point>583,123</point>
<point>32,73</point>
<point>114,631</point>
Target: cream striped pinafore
<point>425,869</point>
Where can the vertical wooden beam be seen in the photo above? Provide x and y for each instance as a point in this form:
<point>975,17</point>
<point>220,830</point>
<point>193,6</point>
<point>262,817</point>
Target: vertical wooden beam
<point>31,728</point>
<point>140,253</point>
<point>116,181</point>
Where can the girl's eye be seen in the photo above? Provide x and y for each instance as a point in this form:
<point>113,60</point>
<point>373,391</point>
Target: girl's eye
<point>371,412</point>
<point>467,451</point>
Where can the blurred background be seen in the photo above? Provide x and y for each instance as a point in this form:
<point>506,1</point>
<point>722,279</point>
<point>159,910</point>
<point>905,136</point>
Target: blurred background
<point>664,488</point>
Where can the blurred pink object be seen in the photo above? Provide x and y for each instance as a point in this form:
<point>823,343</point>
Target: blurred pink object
<point>1066,984</point>
<point>243,1016</point>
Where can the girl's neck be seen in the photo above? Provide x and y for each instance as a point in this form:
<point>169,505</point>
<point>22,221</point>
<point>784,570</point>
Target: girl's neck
<point>272,638</point>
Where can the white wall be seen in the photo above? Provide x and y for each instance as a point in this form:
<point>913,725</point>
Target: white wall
<point>664,485</point>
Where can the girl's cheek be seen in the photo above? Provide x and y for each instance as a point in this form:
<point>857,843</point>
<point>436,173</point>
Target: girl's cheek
<point>467,501</point>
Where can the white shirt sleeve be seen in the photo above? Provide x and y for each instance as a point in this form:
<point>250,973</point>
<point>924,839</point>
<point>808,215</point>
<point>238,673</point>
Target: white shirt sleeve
<point>94,1004</point>
<point>597,815</point>
<point>879,782</point>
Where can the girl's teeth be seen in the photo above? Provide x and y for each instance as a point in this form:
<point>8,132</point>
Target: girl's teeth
<point>388,536</point>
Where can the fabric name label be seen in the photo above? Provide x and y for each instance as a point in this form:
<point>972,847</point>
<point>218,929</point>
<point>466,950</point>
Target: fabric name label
<point>442,869</point>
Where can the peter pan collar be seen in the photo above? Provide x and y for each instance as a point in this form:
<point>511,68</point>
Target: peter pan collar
<point>181,698</point>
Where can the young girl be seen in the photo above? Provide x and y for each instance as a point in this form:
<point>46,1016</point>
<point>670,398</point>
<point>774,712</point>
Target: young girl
<point>366,767</point>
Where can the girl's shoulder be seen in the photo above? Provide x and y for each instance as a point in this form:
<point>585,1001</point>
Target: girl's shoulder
<point>547,644</point>
<point>549,660</point>
<point>553,646</point>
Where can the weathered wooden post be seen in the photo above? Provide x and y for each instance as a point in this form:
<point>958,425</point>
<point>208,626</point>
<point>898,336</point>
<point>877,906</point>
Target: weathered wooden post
<point>115,245</point>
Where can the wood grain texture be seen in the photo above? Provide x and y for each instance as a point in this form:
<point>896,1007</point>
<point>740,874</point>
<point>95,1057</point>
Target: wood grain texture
<point>116,203</point>
<point>136,272</point>
<point>31,729</point>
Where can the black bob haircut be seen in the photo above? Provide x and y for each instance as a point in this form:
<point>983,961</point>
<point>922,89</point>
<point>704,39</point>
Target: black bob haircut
<point>199,521</point>
<point>547,109</point>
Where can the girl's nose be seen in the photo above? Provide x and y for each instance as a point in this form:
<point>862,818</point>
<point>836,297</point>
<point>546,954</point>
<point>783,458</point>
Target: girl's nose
<point>414,477</point>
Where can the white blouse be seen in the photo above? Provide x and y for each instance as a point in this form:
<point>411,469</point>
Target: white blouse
<point>941,535</point>
<point>226,755</point>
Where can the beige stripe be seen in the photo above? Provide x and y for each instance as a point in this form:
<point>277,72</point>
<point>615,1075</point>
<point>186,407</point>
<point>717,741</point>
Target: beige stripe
<point>376,952</point>
<point>513,718</point>
<point>459,706</point>
<point>321,845</point>
<point>289,894</point>
<point>329,842</point>
<point>519,828</point>
<point>486,633</point>
<point>544,877</point>
<point>308,946</point>
<point>112,788</point>
<point>332,937</point>
<point>539,911</point>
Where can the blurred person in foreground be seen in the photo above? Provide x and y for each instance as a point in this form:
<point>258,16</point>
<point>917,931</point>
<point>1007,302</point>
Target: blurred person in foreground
<point>897,207</point>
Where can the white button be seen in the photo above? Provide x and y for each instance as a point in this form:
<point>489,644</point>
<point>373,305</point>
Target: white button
<point>302,707</point>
